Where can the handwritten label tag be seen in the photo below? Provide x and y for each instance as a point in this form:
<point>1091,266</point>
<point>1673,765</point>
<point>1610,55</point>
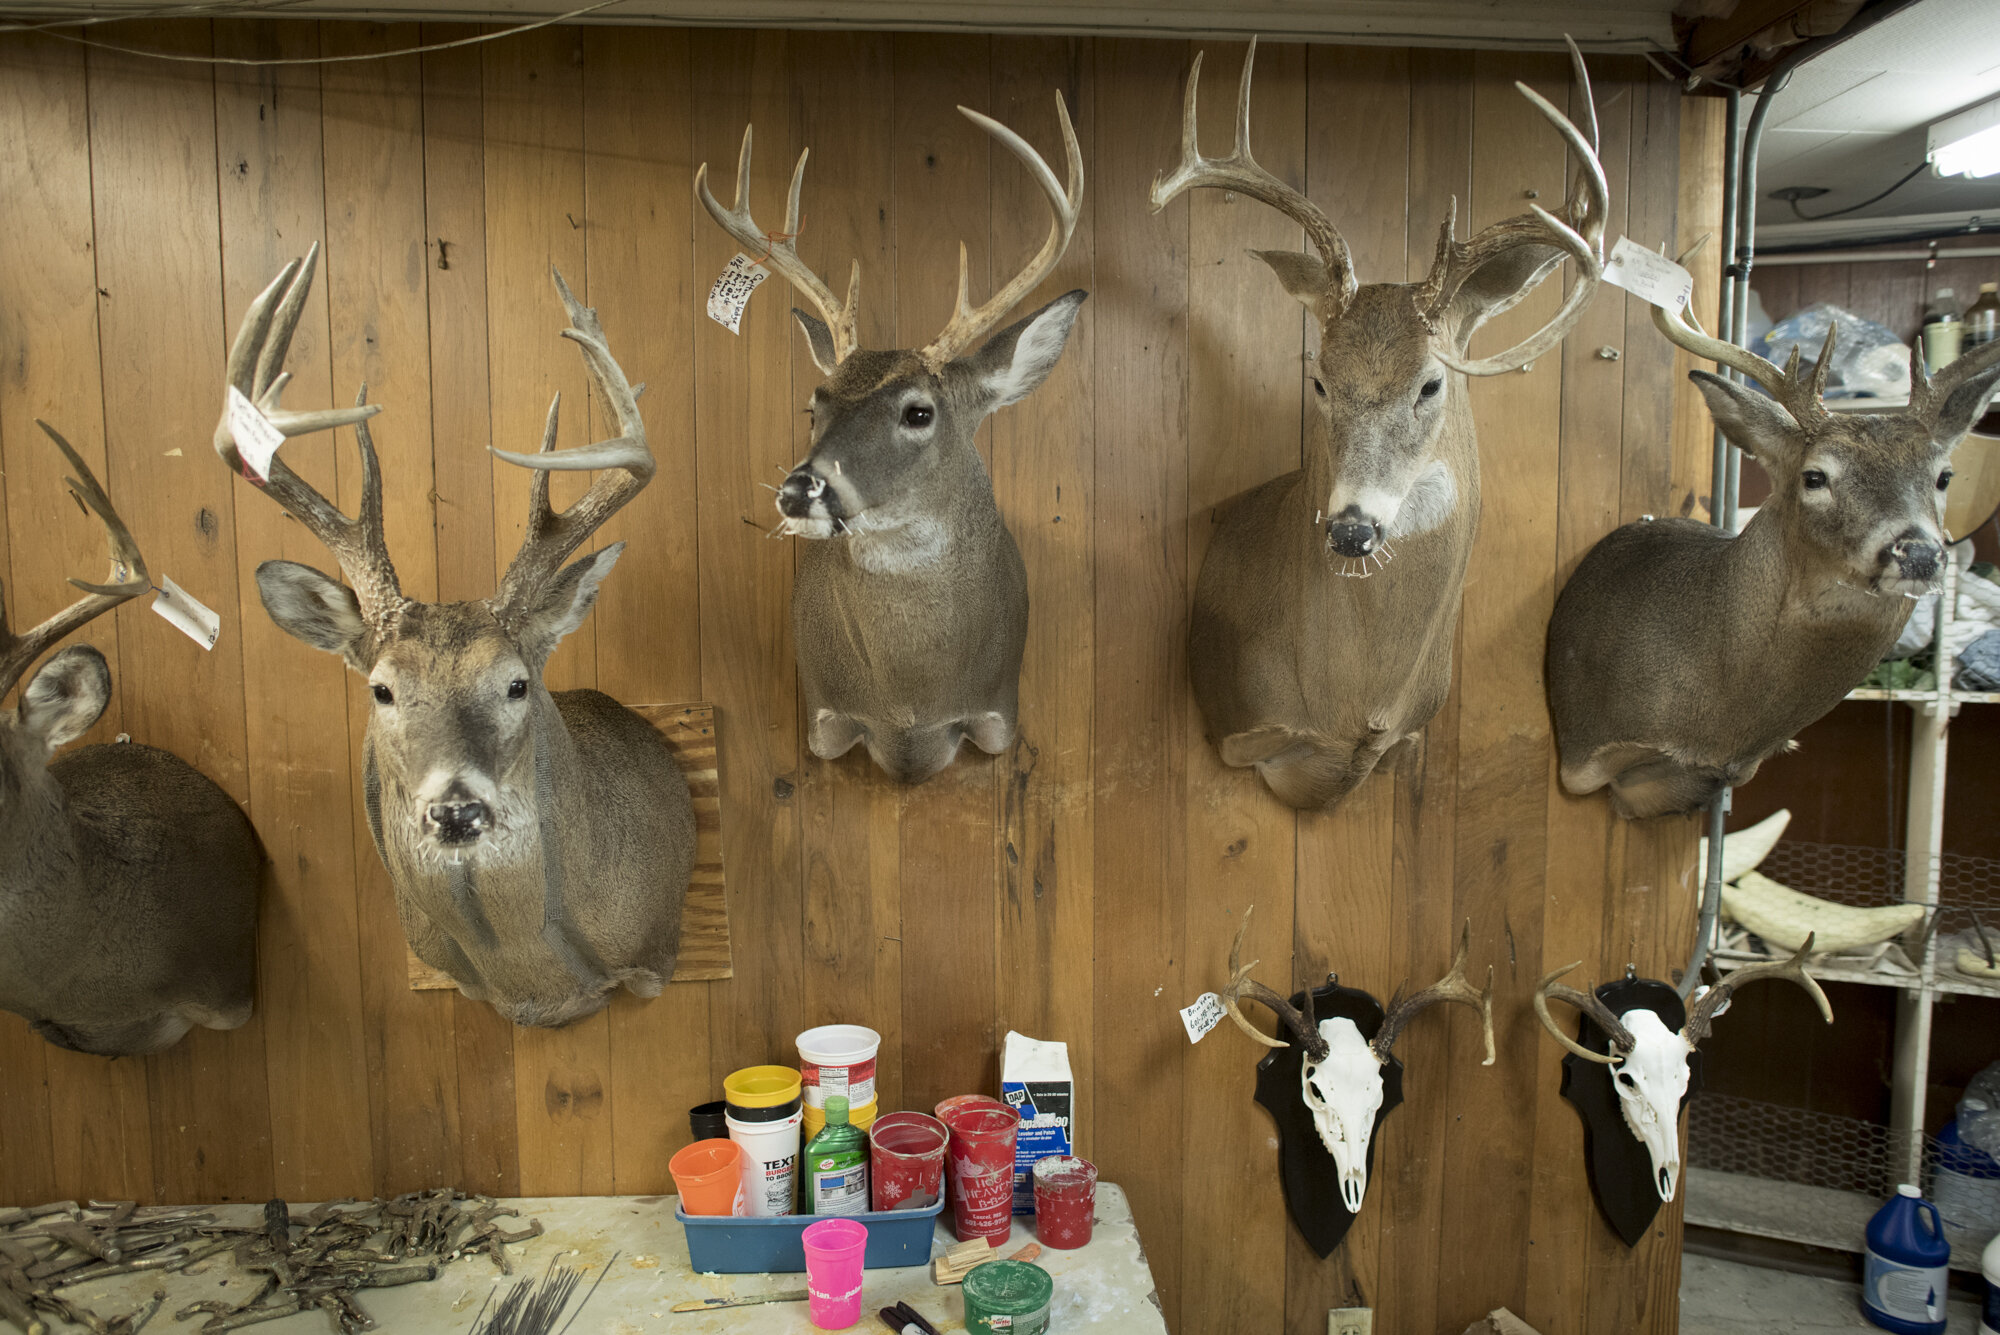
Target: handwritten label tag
<point>731,293</point>
<point>256,439</point>
<point>1651,277</point>
<point>187,615</point>
<point>1201,1015</point>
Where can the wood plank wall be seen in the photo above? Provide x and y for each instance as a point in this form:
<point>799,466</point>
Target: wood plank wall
<point>1081,887</point>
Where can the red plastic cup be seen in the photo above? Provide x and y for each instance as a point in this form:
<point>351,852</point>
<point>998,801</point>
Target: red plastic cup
<point>965,1101</point>
<point>835,1249</point>
<point>906,1161</point>
<point>981,1162</point>
<point>1065,1200</point>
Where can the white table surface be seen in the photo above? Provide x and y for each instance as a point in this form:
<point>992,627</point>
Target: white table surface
<point>1103,1287</point>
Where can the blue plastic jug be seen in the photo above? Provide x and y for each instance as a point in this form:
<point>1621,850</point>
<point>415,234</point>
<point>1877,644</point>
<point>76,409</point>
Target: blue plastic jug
<point>1906,1269</point>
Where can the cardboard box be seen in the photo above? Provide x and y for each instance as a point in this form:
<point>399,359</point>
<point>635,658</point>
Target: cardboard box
<point>1035,1081</point>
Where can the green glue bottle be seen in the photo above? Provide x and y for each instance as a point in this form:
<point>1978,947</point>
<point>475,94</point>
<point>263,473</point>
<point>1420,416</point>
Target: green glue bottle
<point>837,1165</point>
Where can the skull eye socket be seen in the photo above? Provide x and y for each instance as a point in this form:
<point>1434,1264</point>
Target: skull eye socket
<point>1944,479</point>
<point>918,415</point>
<point>383,695</point>
<point>1814,479</point>
<point>1625,1079</point>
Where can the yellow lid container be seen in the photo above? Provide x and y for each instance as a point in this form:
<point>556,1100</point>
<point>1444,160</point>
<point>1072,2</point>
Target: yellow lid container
<point>762,1086</point>
<point>862,1117</point>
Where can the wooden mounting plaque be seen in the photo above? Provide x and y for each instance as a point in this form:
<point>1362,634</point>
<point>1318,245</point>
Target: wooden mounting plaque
<point>689,731</point>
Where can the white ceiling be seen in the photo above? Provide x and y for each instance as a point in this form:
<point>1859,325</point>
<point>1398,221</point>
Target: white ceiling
<point>1853,119</point>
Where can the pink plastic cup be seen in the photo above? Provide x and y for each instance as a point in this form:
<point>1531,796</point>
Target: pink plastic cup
<point>906,1161</point>
<point>835,1249</point>
<point>981,1161</point>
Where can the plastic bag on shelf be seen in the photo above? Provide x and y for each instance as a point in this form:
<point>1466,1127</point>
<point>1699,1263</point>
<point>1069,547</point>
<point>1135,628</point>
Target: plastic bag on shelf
<point>1869,361</point>
<point>1979,1112</point>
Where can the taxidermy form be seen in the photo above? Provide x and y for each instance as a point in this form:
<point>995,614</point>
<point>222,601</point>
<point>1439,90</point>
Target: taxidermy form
<point>128,879</point>
<point>1329,1093</point>
<point>1640,1054</point>
<point>1323,616</point>
<point>910,605</point>
<point>1680,658</point>
<point>539,843</point>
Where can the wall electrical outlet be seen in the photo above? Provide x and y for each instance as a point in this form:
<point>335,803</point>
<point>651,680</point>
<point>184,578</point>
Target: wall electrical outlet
<point>1351,1321</point>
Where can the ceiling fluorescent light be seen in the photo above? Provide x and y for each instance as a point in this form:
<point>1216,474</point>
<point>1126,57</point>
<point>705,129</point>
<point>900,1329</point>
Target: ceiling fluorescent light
<point>1967,144</point>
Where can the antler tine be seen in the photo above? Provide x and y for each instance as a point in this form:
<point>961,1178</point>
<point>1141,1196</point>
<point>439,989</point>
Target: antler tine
<point>1700,1018</point>
<point>1683,334</point>
<point>969,324</point>
<point>1928,393</point>
<point>623,463</point>
<point>1589,1004</point>
<point>256,362</point>
<point>1242,985</point>
<point>127,580</point>
<point>1452,987</point>
<point>780,252</point>
<point>1240,172</point>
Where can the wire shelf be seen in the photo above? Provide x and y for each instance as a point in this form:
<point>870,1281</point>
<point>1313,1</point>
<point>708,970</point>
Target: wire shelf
<point>1866,877</point>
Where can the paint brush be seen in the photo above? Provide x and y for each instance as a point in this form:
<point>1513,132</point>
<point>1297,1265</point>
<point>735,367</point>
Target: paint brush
<point>711,1304</point>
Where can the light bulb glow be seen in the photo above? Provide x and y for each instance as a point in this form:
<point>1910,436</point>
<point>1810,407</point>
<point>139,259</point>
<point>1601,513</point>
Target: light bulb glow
<point>1967,144</point>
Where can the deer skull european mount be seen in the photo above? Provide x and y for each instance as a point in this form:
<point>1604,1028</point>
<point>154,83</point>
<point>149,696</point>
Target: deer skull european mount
<point>1330,1091</point>
<point>1638,1061</point>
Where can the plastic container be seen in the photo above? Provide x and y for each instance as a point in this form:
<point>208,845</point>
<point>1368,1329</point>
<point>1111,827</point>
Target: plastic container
<point>1905,1270</point>
<point>1943,331</point>
<point>839,1059</point>
<point>1966,1187</point>
<point>862,1116</point>
<point>980,1162</point>
<point>835,1249</point>
<point>906,1161</point>
<point>1989,1265</point>
<point>705,1120</point>
<point>1008,1298</point>
<point>1065,1201</point>
<point>835,1178</point>
<point>764,1117</point>
<point>721,1245</point>
<point>709,1176</point>
<point>1982,319</point>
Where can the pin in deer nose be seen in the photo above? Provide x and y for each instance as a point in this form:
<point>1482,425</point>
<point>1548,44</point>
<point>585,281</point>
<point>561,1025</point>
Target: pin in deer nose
<point>458,817</point>
<point>1351,535</point>
<point>1915,555</point>
<point>806,495</point>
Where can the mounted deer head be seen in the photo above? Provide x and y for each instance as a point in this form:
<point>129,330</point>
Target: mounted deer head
<point>1307,677</point>
<point>128,880</point>
<point>540,844</point>
<point>910,629</point>
<point>1681,658</point>
<point>1341,1079</point>
<point>1648,1061</point>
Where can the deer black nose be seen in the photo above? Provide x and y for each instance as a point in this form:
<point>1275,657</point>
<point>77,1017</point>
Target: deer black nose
<point>1351,538</point>
<point>458,822</point>
<point>1915,555</point>
<point>802,490</point>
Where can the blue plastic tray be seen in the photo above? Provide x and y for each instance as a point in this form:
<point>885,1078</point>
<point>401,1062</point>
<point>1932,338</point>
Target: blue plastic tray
<point>727,1245</point>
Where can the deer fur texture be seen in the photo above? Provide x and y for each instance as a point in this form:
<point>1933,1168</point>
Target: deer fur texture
<point>128,879</point>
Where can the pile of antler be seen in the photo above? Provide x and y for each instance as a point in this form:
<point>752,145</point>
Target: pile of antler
<point>317,1260</point>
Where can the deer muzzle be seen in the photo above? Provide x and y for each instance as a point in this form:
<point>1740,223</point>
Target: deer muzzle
<point>1916,556</point>
<point>806,495</point>
<point>1351,533</point>
<point>456,817</point>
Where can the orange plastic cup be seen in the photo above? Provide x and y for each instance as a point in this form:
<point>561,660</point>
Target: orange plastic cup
<point>709,1175</point>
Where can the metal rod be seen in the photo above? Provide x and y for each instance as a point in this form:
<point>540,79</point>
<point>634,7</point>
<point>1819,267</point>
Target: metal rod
<point>1880,256</point>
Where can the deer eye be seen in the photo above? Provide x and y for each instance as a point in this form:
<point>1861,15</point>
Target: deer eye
<point>1814,479</point>
<point>1319,387</point>
<point>383,695</point>
<point>1431,388</point>
<point>918,415</point>
<point>1944,479</point>
<point>517,689</point>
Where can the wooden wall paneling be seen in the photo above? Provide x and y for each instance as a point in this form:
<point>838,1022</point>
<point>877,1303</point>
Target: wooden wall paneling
<point>486,1145</point>
<point>1823,282</point>
<point>154,201</point>
<point>1503,715</point>
<point>1141,589</point>
<point>852,919</point>
<point>268,161</point>
<point>1044,479</point>
<point>944,168</point>
<point>1777,286</point>
<point>1243,428</point>
<point>743,438</point>
<point>639,142</point>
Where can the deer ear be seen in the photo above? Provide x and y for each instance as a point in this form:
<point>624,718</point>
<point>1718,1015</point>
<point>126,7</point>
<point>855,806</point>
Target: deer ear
<point>819,339</point>
<point>1018,359</point>
<point>313,607</point>
<point>1302,275</point>
<point>1753,422</point>
<point>66,696</point>
<point>561,605</point>
<point>1965,405</point>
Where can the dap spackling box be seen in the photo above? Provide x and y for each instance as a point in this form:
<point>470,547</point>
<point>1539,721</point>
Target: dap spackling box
<point>1035,1081</point>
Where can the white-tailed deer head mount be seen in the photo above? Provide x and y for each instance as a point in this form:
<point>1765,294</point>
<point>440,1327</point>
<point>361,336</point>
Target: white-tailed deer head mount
<point>1648,1061</point>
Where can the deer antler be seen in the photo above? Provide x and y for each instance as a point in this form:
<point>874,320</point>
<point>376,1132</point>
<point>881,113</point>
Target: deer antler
<point>1929,393</point>
<point>1241,985</point>
<point>127,580</point>
<point>1699,1018</point>
<point>1241,173</point>
<point>780,250</point>
<point>1802,399</point>
<point>1452,987</point>
<point>625,461</point>
<point>1590,1004</point>
<point>969,324</point>
<point>256,369</point>
<point>1579,232</point>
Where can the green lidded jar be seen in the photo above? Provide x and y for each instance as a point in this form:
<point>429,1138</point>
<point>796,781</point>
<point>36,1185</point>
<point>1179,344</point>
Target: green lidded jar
<point>1010,1296</point>
<point>836,1165</point>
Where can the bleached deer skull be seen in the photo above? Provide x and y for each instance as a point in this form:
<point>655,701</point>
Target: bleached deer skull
<point>1341,1076</point>
<point>1649,1062</point>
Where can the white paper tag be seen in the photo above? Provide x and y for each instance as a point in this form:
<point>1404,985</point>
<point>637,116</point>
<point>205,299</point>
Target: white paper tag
<point>1201,1015</point>
<point>1649,276</point>
<point>179,607</point>
<point>256,439</point>
<point>732,290</point>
